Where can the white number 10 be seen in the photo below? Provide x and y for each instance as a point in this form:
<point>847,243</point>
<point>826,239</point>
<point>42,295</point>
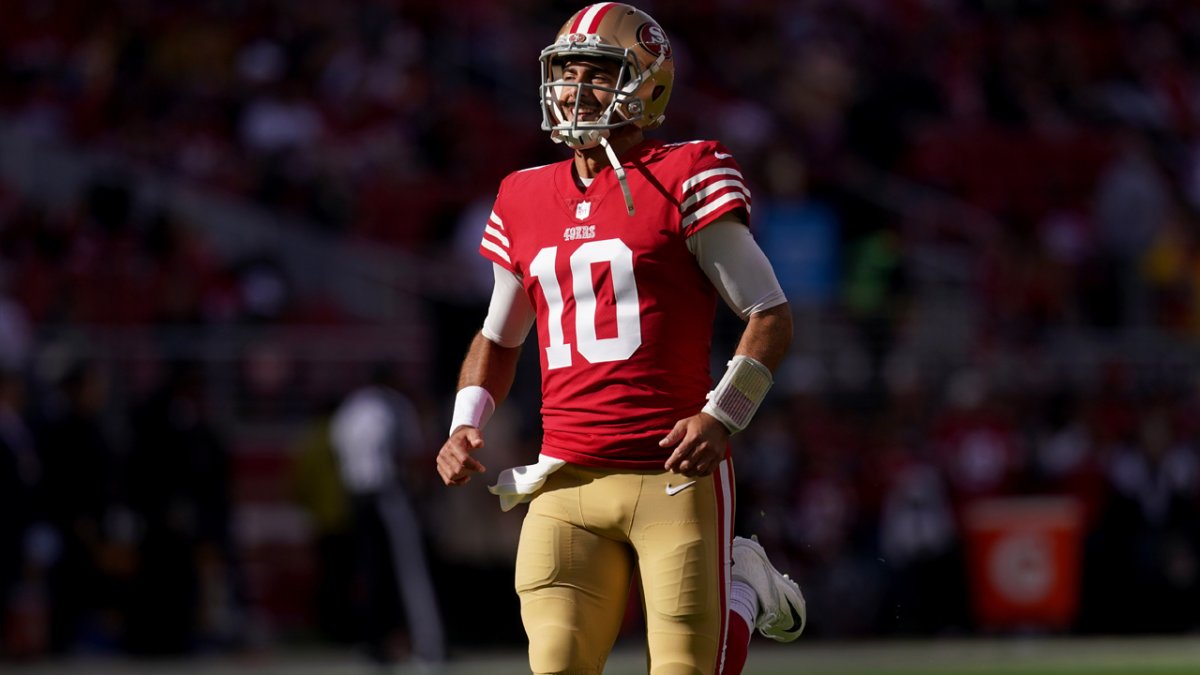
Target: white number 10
<point>619,258</point>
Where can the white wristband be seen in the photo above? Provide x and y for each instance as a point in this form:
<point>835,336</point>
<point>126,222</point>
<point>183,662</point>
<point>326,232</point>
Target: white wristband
<point>739,393</point>
<point>473,406</point>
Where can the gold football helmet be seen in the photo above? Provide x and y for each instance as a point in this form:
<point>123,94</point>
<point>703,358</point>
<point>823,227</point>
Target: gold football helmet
<point>608,30</point>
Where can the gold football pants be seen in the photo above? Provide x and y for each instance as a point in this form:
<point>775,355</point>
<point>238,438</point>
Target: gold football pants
<point>586,532</point>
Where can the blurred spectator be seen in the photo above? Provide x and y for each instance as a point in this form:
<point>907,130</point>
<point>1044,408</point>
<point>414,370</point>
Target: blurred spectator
<point>875,294</point>
<point>1150,532</point>
<point>27,545</point>
<point>922,548</point>
<point>1132,206</point>
<point>1170,270</point>
<point>16,333</point>
<point>977,446</point>
<point>822,525</point>
<point>317,486</point>
<point>376,433</point>
<point>1026,290</point>
<point>179,488</point>
<point>281,120</point>
<point>82,483</point>
<point>181,273</point>
<point>799,234</point>
<point>263,289</point>
<point>1065,458</point>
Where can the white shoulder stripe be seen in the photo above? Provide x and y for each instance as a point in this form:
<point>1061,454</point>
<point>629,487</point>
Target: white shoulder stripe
<point>489,230</point>
<point>486,243</point>
<point>708,190</point>
<point>713,206</point>
<point>496,219</point>
<point>705,175</point>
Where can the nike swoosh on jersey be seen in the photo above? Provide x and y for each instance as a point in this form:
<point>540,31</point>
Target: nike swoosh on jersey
<point>722,155</point>
<point>673,490</point>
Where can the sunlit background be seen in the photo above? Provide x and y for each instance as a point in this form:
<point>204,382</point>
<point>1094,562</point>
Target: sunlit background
<point>220,217</point>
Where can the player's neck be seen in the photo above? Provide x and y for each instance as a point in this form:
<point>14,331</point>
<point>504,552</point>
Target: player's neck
<point>592,161</point>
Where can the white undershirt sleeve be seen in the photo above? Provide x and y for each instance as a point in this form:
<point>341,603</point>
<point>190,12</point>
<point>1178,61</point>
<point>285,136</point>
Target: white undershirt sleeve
<point>510,314</point>
<point>736,266</point>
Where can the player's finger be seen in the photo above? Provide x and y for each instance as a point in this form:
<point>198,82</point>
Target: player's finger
<point>672,463</point>
<point>455,462</point>
<point>461,453</point>
<point>473,465</point>
<point>692,467</point>
<point>444,470</point>
<point>447,467</point>
<point>701,461</point>
<point>703,467</point>
<point>679,458</point>
<point>474,438</point>
<point>452,476</point>
<point>462,462</point>
<point>676,435</point>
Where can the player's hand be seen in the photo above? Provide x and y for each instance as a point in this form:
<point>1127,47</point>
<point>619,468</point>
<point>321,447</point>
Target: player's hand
<point>454,461</point>
<point>699,441</point>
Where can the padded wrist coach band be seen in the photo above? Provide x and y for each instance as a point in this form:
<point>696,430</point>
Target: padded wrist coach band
<point>739,393</point>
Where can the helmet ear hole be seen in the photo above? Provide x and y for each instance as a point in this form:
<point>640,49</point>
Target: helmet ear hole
<point>658,91</point>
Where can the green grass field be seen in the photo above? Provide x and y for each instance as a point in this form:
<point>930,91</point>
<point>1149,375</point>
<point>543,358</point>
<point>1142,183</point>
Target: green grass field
<point>1174,656</point>
<point>1096,656</point>
<point>984,657</point>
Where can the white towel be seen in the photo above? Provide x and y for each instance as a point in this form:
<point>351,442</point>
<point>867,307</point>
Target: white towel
<point>518,484</point>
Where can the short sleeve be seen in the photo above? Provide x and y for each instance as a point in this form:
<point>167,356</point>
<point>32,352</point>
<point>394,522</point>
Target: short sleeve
<point>496,245</point>
<point>712,187</point>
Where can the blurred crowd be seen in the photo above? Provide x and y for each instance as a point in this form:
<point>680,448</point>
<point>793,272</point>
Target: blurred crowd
<point>985,214</point>
<point>110,542</point>
<point>875,506</point>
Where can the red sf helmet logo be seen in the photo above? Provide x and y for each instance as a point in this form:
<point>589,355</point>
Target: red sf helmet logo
<point>576,38</point>
<point>653,39</point>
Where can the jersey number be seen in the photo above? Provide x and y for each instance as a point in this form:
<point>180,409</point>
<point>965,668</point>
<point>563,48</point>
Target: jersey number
<point>619,259</point>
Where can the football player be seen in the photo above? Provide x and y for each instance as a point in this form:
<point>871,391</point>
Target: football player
<point>619,255</point>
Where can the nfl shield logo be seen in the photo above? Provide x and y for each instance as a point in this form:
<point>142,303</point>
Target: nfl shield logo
<point>583,210</point>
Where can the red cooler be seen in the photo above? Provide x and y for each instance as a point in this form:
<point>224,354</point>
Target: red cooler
<point>1024,560</point>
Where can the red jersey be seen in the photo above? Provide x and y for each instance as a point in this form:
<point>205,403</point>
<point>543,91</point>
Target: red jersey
<point>624,312</point>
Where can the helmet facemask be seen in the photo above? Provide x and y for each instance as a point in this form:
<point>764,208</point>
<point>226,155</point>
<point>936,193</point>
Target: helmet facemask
<point>625,106</point>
